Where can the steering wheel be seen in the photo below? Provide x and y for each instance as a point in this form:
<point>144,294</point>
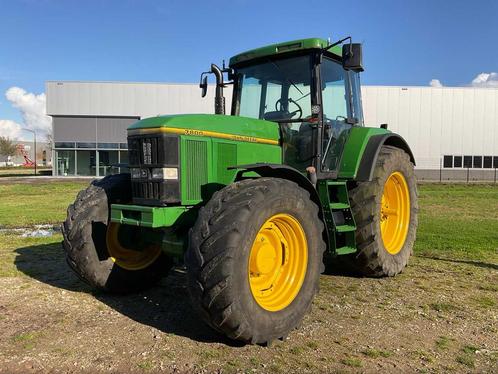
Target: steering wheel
<point>279,108</point>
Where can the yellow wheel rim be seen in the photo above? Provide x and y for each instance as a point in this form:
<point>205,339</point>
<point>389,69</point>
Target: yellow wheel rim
<point>395,213</point>
<point>126,258</point>
<point>278,262</point>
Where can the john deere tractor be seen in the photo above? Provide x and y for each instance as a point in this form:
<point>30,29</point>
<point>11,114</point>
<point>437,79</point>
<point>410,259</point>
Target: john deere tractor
<point>252,203</point>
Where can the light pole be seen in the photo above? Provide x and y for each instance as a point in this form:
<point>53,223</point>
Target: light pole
<point>34,135</point>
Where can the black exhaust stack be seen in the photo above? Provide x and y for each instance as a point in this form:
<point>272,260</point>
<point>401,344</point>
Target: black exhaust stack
<point>219,99</point>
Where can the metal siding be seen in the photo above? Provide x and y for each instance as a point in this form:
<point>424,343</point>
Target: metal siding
<point>113,130</point>
<point>437,121</point>
<point>122,99</point>
<point>434,121</point>
<point>71,129</point>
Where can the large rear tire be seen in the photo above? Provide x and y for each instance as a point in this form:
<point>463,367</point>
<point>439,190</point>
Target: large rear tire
<point>96,249</point>
<point>385,210</point>
<point>254,259</point>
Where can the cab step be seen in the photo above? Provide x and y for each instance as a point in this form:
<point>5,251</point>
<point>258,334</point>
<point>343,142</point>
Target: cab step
<point>339,206</point>
<point>338,216</point>
<point>345,228</point>
<point>345,250</point>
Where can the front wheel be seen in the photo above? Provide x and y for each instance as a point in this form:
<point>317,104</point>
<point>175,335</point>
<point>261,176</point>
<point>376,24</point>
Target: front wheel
<point>109,256</point>
<point>254,259</point>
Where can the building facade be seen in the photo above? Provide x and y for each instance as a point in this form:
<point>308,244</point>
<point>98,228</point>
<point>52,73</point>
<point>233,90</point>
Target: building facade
<point>453,131</point>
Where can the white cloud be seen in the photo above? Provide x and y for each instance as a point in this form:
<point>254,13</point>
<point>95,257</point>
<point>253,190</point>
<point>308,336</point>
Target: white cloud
<point>485,80</point>
<point>33,111</point>
<point>10,129</point>
<point>435,83</point>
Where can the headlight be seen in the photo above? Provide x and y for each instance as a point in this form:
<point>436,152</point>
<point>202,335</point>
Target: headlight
<point>165,173</point>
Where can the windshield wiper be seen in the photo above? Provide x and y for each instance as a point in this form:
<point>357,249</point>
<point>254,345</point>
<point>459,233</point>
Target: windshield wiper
<point>302,97</point>
<point>283,75</point>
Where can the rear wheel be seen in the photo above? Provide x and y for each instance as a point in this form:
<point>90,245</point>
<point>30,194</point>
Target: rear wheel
<point>254,259</point>
<point>110,256</point>
<point>385,210</point>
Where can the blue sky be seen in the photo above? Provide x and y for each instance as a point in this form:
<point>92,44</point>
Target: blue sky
<point>405,42</point>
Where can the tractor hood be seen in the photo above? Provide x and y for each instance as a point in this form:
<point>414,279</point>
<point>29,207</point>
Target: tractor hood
<point>229,127</point>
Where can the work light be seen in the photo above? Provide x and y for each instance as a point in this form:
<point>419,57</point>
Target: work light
<point>165,173</point>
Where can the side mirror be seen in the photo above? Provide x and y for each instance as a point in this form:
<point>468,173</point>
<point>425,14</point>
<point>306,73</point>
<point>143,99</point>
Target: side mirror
<point>203,85</point>
<point>352,57</point>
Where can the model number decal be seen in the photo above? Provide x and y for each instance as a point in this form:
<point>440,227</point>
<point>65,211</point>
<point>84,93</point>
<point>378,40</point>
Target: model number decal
<point>194,132</point>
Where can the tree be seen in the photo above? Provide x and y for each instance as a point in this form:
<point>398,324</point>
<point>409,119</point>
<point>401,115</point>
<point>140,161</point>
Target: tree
<point>7,147</point>
<point>49,139</point>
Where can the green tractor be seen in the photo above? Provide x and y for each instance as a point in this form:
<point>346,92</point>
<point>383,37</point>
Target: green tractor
<point>252,204</point>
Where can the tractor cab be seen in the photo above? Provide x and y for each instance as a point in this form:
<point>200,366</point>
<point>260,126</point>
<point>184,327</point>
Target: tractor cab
<point>310,90</point>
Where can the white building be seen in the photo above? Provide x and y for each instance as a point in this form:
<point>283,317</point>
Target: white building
<point>450,129</point>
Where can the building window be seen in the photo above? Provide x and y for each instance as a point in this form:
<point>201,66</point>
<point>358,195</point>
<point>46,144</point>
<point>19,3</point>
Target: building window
<point>86,145</point>
<point>65,162</point>
<point>477,162</point>
<point>488,162</point>
<point>123,145</point>
<point>108,163</point>
<point>495,162</point>
<point>457,161</point>
<point>108,145</point>
<point>123,159</point>
<point>467,161</point>
<point>64,144</point>
<point>448,161</point>
<point>85,163</point>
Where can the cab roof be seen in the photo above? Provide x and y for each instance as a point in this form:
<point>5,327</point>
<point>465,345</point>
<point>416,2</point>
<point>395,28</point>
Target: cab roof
<point>280,48</point>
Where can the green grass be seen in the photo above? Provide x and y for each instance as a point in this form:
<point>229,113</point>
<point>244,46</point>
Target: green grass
<point>443,342</point>
<point>26,340</point>
<point>25,204</point>
<point>374,353</point>
<point>458,221</point>
<point>443,307</point>
<point>466,360</point>
<point>467,356</point>
<point>12,247</point>
<point>145,365</point>
<point>485,301</point>
<point>21,171</point>
<point>352,361</point>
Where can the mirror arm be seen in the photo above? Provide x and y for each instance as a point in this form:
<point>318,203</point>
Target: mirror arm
<point>337,43</point>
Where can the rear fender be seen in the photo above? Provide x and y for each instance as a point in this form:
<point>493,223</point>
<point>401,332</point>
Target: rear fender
<point>371,153</point>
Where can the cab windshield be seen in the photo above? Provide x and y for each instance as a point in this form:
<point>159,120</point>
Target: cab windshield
<point>275,90</point>
<point>279,90</point>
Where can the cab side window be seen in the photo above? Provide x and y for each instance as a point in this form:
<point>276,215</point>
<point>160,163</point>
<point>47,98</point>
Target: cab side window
<point>336,109</point>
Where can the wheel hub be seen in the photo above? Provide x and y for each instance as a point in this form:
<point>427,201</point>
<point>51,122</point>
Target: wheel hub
<point>278,262</point>
<point>265,258</point>
<point>395,212</point>
<point>127,258</point>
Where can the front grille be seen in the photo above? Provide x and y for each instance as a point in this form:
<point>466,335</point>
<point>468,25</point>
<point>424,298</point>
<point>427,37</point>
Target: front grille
<point>197,168</point>
<point>153,151</point>
<point>147,190</point>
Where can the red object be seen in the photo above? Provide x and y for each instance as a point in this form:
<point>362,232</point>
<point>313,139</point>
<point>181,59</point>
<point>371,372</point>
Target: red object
<point>27,161</point>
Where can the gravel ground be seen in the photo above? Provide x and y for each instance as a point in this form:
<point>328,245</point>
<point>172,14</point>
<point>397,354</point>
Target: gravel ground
<point>439,315</point>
